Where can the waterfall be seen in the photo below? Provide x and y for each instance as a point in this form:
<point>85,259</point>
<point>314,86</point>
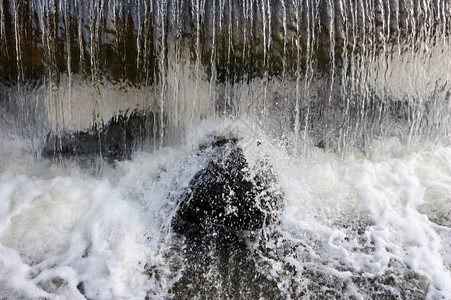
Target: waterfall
<point>335,73</point>
<point>225,149</point>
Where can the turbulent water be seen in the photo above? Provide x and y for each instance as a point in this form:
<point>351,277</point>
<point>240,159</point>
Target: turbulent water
<point>374,226</point>
<point>348,101</point>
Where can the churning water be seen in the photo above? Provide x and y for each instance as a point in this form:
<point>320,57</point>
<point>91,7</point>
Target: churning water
<point>349,101</point>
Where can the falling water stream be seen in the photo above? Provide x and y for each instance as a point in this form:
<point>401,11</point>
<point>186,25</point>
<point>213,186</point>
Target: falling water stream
<point>349,101</point>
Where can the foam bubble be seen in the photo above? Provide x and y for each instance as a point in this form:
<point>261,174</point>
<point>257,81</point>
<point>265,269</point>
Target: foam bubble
<point>361,225</point>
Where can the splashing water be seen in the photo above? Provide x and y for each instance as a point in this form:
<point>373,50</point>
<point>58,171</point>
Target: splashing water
<point>348,100</point>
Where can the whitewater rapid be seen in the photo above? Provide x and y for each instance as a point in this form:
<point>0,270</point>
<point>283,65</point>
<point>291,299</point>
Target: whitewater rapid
<point>359,225</point>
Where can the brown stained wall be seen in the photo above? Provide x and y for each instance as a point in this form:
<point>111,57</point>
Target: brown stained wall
<point>251,37</point>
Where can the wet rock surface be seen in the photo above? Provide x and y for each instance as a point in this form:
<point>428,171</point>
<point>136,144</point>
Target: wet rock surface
<point>226,207</point>
<point>227,194</point>
<point>115,140</point>
<point>320,30</point>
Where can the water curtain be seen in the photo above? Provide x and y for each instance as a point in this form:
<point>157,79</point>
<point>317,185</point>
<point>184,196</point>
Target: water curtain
<point>333,73</point>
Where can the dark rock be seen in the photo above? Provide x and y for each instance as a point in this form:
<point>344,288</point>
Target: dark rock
<point>227,194</point>
<point>217,220</point>
<point>114,141</point>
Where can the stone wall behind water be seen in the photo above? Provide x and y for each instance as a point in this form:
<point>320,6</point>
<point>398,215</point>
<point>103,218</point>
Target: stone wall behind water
<point>131,40</point>
<point>334,70</point>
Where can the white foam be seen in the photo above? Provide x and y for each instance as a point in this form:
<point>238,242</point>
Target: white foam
<point>62,227</point>
<point>394,194</point>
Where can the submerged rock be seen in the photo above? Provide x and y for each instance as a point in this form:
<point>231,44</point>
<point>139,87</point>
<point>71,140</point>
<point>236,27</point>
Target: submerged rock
<point>227,194</point>
<point>115,140</point>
